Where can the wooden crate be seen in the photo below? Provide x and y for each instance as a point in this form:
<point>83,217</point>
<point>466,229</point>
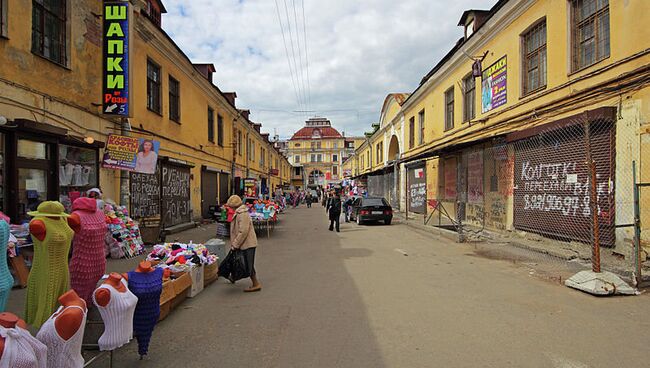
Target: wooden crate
<point>182,286</point>
<point>210,273</point>
<point>168,292</point>
<point>165,309</point>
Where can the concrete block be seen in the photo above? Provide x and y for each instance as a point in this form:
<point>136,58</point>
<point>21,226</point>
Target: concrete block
<point>601,284</point>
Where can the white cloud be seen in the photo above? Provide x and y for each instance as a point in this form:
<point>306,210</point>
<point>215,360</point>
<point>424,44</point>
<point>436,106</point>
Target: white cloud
<point>359,51</point>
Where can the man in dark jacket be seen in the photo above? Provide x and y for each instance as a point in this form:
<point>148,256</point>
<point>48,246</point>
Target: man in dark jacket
<point>335,211</point>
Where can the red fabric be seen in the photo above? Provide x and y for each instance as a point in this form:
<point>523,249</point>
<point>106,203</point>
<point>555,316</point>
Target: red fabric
<point>88,262</point>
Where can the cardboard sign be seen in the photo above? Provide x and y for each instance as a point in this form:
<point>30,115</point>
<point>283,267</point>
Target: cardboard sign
<point>131,154</point>
<point>115,58</point>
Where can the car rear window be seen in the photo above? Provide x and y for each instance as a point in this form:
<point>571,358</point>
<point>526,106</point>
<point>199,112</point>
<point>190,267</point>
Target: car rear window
<point>374,202</point>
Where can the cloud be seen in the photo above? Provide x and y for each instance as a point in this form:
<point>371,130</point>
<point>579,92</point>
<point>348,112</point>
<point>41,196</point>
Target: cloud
<point>358,52</point>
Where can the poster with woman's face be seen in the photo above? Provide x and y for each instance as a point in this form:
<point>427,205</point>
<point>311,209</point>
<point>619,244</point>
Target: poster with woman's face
<point>147,156</point>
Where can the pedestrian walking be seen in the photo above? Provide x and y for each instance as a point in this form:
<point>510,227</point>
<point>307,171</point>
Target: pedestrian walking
<point>335,212</point>
<point>347,206</point>
<point>308,200</point>
<point>242,236</point>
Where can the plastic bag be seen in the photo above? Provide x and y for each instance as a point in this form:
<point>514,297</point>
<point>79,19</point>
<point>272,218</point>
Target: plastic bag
<point>233,266</point>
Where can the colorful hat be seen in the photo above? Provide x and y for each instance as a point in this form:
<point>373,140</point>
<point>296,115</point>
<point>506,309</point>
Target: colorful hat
<point>49,209</point>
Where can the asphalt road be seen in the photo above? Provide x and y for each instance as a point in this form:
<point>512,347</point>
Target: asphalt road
<point>389,296</point>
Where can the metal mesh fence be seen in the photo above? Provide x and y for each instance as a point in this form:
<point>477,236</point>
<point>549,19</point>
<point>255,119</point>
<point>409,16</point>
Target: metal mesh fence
<point>563,191</point>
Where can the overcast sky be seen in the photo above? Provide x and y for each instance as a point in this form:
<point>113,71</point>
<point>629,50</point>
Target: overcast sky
<point>358,51</point>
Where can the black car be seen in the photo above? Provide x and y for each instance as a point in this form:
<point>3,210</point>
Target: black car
<point>371,209</point>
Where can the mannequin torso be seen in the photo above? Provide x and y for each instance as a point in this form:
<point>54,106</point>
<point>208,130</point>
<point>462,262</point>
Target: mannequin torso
<point>116,304</point>
<point>146,283</point>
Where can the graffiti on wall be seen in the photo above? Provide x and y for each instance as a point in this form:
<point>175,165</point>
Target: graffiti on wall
<point>475,177</point>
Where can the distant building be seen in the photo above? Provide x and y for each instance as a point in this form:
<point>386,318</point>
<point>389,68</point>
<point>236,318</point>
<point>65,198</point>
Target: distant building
<point>317,152</point>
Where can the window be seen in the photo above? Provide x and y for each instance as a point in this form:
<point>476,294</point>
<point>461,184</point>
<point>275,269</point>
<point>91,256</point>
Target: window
<point>297,145</point>
<point>336,144</point>
<point>335,158</point>
<point>318,144</point>
<point>335,170</point>
<point>239,143</point>
<point>469,98</point>
<point>380,154</point>
<point>411,132</point>
<point>153,86</point>
<point>296,171</point>
<point>590,32</point>
<point>313,158</point>
<point>534,45</point>
<point>449,109</point>
<point>252,156</point>
<point>174,100</point>
<point>368,160</point>
<point>3,21</point>
<point>421,122</point>
<point>210,124</point>
<point>220,130</point>
<point>319,158</point>
<point>49,29</point>
<point>262,156</point>
<point>296,159</point>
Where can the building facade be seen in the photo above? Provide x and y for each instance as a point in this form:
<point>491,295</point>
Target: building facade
<point>54,131</point>
<point>316,152</point>
<point>500,130</point>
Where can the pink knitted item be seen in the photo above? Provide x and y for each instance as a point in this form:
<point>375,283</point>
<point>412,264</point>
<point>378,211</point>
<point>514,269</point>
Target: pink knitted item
<point>88,262</point>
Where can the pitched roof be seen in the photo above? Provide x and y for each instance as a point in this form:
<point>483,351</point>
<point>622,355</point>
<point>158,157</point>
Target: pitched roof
<point>308,133</point>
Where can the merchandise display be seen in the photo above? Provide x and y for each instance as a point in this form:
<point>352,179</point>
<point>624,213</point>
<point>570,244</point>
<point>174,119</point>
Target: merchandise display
<point>262,210</point>
<point>18,348</point>
<point>116,304</point>
<point>21,233</point>
<point>124,230</point>
<point>179,257</point>
<point>88,261</point>
<point>6,280</point>
<point>146,283</point>
<point>49,276</point>
<point>63,332</point>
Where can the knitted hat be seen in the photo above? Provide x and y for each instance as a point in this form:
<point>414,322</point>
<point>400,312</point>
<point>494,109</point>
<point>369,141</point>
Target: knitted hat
<point>234,201</point>
<point>49,209</point>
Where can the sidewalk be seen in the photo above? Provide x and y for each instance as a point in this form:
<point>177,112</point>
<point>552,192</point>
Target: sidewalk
<point>513,245</point>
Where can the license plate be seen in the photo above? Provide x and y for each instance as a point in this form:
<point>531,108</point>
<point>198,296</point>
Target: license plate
<point>377,213</point>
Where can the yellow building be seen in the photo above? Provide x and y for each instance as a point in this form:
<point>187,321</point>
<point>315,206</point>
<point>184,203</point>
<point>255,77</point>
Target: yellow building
<point>498,132</point>
<point>317,152</point>
<point>53,128</point>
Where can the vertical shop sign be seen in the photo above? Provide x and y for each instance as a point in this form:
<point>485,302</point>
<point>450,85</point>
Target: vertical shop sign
<point>475,177</point>
<point>494,83</point>
<point>450,178</point>
<point>115,59</point>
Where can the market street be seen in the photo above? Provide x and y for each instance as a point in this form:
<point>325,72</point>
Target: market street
<point>353,299</point>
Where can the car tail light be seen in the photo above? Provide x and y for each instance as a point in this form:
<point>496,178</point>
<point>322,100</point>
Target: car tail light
<point>364,212</point>
<point>388,212</point>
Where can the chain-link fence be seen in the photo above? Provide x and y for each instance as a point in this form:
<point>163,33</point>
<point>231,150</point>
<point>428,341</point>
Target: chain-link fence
<point>565,190</point>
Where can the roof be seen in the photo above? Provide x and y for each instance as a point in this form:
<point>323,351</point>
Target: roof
<point>308,133</point>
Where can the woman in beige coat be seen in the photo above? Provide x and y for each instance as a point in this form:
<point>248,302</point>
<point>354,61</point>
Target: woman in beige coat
<point>242,236</point>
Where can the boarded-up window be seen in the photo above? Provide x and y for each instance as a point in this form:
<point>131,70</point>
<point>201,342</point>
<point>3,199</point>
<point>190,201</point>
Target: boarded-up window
<point>475,177</point>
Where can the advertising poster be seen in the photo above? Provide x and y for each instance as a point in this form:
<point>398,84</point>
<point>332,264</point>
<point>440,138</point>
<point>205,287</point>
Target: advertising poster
<point>115,58</point>
<point>250,188</point>
<point>475,177</point>
<point>131,154</point>
<point>494,83</point>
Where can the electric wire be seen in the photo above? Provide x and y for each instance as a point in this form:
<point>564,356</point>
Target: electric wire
<point>293,53</point>
<point>304,33</point>
<point>286,51</point>
<point>302,67</point>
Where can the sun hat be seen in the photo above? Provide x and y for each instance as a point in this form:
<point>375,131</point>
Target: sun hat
<point>49,209</point>
<point>234,201</point>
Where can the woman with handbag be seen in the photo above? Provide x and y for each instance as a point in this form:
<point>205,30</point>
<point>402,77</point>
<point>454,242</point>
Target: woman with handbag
<point>242,237</point>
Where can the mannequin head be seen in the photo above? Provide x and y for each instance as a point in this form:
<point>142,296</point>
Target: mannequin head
<point>144,266</point>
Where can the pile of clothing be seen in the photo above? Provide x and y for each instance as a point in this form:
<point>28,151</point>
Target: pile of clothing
<point>21,234</point>
<point>263,210</point>
<point>179,257</point>
<point>123,238</point>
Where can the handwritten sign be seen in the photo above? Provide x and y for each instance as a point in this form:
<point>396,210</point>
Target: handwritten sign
<point>494,85</point>
<point>417,189</point>
<point>175,183</point>
<point>145,195</point>
<point>115,58</point>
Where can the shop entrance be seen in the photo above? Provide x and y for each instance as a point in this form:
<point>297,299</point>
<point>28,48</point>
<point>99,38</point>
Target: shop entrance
<point>208,192</point>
